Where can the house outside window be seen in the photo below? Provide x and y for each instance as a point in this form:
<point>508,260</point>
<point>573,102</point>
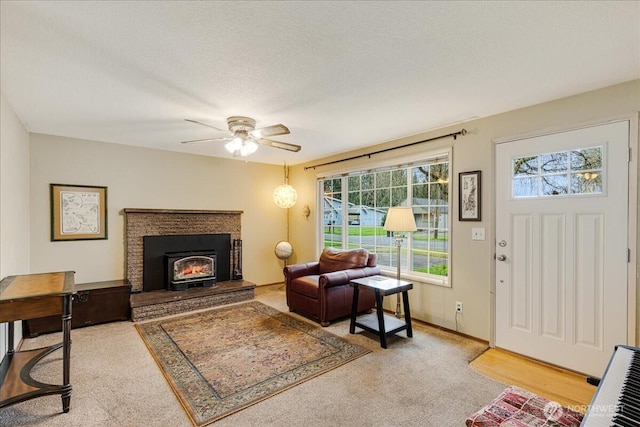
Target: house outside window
<point>355,204</point>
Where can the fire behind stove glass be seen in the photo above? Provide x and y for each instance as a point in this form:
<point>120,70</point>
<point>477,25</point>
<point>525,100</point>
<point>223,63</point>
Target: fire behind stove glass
<point>191,270</point>
<point>193,267</point>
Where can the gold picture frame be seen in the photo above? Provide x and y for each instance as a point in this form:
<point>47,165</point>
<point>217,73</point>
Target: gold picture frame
<point>78,212</point>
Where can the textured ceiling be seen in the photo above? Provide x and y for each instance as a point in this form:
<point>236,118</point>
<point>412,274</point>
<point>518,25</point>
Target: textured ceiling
<point>340,75</point>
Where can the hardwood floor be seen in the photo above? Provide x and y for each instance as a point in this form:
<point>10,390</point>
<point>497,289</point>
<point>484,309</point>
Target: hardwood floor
<point>565,387</point>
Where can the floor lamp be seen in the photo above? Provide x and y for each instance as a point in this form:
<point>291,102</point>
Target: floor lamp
<point>399,220</point>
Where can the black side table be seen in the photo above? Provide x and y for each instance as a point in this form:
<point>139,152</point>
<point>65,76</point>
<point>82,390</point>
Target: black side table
<point>380,323</point>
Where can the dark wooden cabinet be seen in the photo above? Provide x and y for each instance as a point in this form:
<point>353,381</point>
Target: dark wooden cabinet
<point>94,303</point>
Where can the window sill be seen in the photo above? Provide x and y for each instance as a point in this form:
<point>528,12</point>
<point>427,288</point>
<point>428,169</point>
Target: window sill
<point>444,282</point>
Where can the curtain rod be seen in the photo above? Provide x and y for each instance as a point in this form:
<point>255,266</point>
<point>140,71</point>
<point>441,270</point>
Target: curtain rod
<point>454,135</point>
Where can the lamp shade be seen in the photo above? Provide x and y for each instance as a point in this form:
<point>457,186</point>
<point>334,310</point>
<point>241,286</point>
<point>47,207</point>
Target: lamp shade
<point>248,147</point>
<point>285,196</point>
<point>241,146</point>
<point>400,219</point>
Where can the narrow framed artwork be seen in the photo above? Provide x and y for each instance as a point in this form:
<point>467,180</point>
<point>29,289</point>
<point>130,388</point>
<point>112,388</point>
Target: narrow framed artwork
<point>78,212</point>
<point>470,196</point>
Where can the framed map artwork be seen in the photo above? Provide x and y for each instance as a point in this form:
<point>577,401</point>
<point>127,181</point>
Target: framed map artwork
<point>78,212</point>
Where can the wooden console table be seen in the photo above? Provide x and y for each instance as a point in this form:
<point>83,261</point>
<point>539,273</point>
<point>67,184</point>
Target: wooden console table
<point>27,297</point>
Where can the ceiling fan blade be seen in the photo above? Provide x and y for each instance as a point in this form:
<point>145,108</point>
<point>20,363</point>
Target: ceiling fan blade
<point>207,125</point>
<point>281,145</point>
<point>198,141</point>
<point>274,130</point>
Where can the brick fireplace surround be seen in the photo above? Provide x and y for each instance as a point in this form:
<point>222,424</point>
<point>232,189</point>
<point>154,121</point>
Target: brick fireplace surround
<point>165,222</point>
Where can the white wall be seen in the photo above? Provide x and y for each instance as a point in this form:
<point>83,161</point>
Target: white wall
<point>144,178</point>
<point>472,261</point>
<point>14,202</point>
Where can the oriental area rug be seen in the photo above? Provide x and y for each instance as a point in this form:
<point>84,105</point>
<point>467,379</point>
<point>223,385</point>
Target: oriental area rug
<point>223,360</point>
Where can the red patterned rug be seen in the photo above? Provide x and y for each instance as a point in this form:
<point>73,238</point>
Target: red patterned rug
<point>222,360</point>
<point>517,407</point>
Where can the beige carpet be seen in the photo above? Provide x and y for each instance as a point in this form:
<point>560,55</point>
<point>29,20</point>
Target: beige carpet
<point>223,360</point>
<point>422,381</point>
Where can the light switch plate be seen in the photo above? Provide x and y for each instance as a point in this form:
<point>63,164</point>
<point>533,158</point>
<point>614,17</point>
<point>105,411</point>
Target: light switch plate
<point>477,234</point>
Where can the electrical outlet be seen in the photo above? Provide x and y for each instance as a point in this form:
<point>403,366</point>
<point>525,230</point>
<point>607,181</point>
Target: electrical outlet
<point>458,307</point>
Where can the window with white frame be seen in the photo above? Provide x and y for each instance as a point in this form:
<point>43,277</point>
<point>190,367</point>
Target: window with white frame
<point>354,209</point>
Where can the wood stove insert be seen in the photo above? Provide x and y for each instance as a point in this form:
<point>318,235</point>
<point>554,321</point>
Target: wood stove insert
<point>186,270</point>
<point>155,248</point>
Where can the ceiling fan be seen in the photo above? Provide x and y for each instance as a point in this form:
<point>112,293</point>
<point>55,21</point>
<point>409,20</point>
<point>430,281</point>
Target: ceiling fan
<point>243,138</point>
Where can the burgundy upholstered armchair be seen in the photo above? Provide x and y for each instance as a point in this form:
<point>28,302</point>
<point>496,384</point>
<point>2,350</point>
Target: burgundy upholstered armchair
<point>321,289</point>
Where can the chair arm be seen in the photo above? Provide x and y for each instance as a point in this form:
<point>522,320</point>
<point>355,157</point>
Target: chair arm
<point>299,270</point>
<point>343,277</point>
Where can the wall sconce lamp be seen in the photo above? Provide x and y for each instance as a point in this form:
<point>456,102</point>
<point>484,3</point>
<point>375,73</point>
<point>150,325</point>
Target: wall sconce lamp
<point>306,211</point>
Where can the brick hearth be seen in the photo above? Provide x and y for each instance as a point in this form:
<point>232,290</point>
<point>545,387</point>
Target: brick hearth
<point>150,305</point>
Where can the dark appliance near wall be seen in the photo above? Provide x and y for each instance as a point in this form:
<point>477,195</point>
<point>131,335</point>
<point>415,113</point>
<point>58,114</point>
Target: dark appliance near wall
<point>184,270</point>
<point>236,251</point>
<point>155,248</point>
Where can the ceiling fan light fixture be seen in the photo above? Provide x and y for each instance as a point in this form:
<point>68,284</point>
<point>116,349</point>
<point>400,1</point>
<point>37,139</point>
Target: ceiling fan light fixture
<point>243,138</point>
<point>234,145</point>
<point>248,147</point>
<point>241,146</point>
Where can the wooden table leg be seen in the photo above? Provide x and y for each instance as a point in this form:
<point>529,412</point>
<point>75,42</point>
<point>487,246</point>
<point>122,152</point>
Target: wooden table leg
<point>354,309</point>
<point>407,313</point>
<point>10,339</point>
<point>66,351</point>
<point>383,332</point>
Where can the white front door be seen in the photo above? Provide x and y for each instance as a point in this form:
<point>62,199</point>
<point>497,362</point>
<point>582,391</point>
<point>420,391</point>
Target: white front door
<point>561,246</point>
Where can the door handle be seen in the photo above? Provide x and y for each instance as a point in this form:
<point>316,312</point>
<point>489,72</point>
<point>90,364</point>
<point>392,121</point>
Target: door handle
<point>502,257</point>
